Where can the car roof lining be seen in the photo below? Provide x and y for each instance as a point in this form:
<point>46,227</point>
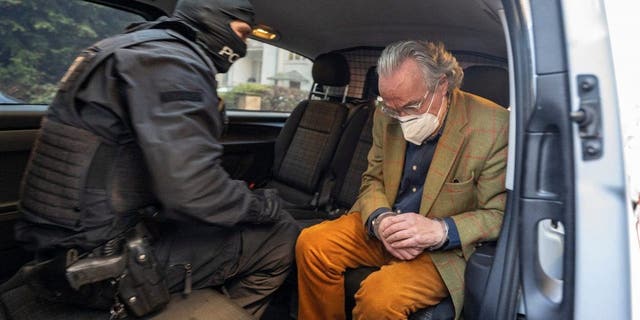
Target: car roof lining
<point>311,28</point>
<point>149,9</point>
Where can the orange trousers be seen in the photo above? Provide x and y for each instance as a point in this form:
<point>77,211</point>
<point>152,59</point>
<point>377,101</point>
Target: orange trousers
<point>324,251</point>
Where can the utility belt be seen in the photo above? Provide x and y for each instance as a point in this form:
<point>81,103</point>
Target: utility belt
<point>122,276</point>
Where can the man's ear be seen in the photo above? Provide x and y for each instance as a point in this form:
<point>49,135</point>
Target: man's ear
<point>443,85</point>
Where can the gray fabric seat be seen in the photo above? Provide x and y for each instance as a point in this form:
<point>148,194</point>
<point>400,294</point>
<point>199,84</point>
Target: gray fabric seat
<point>488,82</point>
<point>348,177</point>
<point>353,149</point>
<point>341,183</point>
<point>309,138</point>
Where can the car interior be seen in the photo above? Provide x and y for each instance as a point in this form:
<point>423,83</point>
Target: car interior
<point>313,155</point>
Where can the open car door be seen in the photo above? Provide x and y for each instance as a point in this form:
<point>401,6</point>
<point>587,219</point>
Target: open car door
<point>563,252</point>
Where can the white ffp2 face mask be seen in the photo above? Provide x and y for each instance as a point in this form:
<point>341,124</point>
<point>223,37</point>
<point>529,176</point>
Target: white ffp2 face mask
<point>416,129</point>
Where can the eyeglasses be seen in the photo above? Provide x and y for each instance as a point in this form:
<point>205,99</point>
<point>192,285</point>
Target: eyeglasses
<point>413,109</point>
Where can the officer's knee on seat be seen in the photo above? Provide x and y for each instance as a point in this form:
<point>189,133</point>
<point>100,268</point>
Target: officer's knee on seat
<point>289,231</point>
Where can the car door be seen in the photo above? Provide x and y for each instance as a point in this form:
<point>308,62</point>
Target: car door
<point>602,271</point>
<point>545,161</point>
<point>18,128</point>
<point>564,249</point>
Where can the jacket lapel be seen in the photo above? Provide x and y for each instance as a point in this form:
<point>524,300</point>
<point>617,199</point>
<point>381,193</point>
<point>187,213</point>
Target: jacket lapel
<point>394,152</point>
<point>448,148</point>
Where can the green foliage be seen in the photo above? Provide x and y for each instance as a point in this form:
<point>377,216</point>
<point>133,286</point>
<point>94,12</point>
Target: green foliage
<point>40,38</point>
<point>251,89</point>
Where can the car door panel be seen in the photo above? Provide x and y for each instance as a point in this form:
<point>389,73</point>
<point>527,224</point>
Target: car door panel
<point>18,129</point>
<point>546,189</point>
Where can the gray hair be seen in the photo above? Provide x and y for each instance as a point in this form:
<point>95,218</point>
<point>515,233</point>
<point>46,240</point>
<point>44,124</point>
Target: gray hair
<point>432,58</point>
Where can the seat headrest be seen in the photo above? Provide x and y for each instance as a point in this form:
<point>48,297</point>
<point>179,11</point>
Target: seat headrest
<point>331,69</point>
<point>488,82</point>
<point>370,87</point>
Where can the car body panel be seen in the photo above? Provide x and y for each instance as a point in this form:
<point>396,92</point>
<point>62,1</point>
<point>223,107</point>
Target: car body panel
<point>414,19</point>
<point>462,25</point>
<point>5,99</point>
<point>602,225</point>
<point>19,125</point>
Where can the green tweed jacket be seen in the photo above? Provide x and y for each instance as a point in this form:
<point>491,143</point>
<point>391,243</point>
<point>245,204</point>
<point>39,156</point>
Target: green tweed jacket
<point>472,151</point>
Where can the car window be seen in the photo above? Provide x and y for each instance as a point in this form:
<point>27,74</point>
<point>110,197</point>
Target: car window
<point>266,79</point>
<point>40,38</point>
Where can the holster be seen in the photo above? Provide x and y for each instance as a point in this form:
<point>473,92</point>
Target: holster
<point>142,288</point>
<point>131,277</point>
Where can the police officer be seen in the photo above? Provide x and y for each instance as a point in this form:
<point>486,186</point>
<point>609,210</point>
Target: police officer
<point>134,132</point>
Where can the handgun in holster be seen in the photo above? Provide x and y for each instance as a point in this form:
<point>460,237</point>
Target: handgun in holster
<point>131,277</point>
<point>142,287</point>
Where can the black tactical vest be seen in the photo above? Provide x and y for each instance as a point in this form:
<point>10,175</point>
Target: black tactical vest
<point>78,189</point>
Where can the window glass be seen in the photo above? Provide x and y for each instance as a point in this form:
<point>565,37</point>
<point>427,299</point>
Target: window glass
<point>266,79</point>
<point>40,38</point>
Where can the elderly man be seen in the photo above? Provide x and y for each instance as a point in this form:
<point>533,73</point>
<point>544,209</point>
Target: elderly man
<point>434,187</point>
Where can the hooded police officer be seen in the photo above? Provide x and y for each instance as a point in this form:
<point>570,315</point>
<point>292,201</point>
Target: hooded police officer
<point>133,135</point>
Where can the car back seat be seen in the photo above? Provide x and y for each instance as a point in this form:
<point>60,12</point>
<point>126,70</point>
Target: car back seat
<point>308,139</point>
<point>353,150</point>
<point>349,177</point>
<point>489,82</point>
<point>340,185</point>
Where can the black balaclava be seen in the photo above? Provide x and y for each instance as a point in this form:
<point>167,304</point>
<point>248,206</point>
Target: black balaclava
<point>211,18</point>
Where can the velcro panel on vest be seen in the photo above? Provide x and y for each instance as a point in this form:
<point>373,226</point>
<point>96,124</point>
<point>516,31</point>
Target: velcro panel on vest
<point>54,180</point>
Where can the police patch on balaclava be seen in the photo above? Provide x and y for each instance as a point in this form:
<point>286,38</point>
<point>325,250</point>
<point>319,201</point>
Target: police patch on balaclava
<point>211,18</point>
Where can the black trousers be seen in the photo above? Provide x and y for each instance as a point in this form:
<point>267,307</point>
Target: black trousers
<point>249,262</point>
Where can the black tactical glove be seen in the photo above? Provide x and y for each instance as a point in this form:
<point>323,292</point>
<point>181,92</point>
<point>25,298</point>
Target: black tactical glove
<point>270,205</point>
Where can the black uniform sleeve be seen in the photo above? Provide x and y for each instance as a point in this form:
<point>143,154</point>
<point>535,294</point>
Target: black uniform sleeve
<point>171,99</point>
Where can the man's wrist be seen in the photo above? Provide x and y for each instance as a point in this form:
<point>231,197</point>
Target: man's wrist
<point>375,223</point>
<point>368,225</point>
<point>445,235</point>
